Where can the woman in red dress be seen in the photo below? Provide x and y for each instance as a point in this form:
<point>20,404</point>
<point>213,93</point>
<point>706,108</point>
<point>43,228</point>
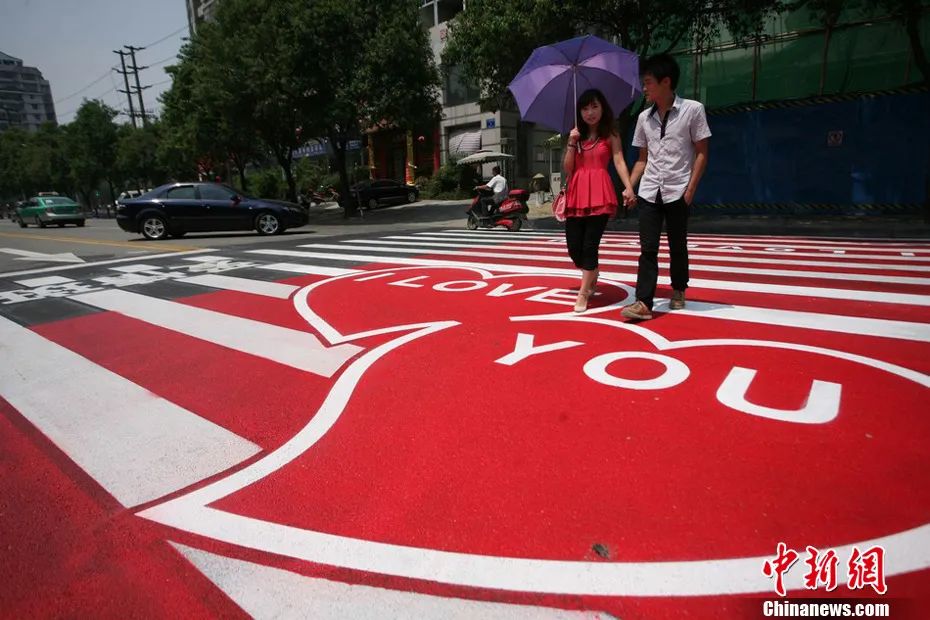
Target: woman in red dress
<point>591,198</point>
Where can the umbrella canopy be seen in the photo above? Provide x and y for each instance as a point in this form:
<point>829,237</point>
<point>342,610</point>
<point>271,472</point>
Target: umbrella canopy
<point>548,85</point>
<point>482,156</point>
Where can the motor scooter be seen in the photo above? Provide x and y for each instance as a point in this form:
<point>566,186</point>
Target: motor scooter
<point>511,213</point>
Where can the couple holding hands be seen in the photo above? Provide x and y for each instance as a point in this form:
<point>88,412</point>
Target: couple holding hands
<point>671,135</point>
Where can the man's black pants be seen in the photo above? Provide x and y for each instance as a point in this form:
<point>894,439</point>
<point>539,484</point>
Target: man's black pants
<point>651,216</point>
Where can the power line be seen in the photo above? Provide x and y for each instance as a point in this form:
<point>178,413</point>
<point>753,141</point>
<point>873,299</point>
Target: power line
<point>164,60</point>
<point>97,98</point>
<point>102,77</point>
<point>167,36</point>
<point>75,94</point>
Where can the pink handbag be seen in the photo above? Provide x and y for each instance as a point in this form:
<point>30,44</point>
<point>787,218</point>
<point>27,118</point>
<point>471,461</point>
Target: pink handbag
<point>560,202</point>
<point>558,206</point>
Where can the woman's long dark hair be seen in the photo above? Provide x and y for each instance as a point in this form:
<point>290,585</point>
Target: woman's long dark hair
<point>607,126</point>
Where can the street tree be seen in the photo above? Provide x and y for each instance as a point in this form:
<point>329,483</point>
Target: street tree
<point>13,143</point>
<point>493,38</point>
<point>205,117</point>
<point>90,147</point>
<point>136,156</point>
<point>373,69</point>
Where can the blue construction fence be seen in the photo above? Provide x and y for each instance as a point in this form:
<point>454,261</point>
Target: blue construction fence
<point>844,155</point>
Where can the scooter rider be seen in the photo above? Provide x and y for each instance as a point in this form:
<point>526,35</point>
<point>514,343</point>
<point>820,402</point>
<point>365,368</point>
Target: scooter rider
<point>498,185</point>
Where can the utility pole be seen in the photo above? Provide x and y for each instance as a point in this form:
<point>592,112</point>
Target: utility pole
<point>122,59</point>
<point>136,69</point>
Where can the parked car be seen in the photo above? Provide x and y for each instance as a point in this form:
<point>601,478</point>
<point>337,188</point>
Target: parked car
<point>49,208</point>
<point>179,208</point>
<point>384,191</point>
<point>129,194</point>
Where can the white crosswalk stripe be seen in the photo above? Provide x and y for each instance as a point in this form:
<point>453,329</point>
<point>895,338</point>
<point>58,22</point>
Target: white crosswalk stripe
<point>138,446</point>
<point>297,349</point>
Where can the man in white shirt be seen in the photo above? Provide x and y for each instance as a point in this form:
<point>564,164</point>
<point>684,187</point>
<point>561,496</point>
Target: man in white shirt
<point>498,185</point>
<point>672,136</point>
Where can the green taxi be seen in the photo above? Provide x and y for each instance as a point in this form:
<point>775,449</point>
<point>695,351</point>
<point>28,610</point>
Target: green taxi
<point>45,210</point>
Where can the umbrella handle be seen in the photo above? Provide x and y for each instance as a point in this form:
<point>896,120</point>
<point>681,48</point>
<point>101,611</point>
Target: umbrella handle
<point>575,101</point>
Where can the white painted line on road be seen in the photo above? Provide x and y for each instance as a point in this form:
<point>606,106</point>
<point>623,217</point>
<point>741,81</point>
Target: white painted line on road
<point>694,266</point>
<point>267,592</point>
<point>243,285</point>
<point>138,268</point>
<point>136,445</point>
<point>291,347</point>
<point>693,255</point>
<point>315,270</point>
<point>102,262</point>
<point>723,285</point>
<point>46,281</point>
<point>213,258</point>
<point>748,242</point>
<point>736,575</point>
<point>886,328</point>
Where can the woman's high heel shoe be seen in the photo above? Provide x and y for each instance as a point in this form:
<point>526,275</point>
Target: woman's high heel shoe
<point>582,303</point>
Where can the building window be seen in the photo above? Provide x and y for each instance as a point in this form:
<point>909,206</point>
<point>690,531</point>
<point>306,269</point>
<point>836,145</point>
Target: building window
<point>456,91</point>
<point>427,14</point>
<point>449,9</point>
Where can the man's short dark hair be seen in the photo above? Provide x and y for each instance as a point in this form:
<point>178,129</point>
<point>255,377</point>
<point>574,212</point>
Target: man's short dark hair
<point>661,66</point>
<point>496,169</point>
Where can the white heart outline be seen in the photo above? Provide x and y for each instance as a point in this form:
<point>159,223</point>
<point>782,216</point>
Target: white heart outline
<point>909,549</point>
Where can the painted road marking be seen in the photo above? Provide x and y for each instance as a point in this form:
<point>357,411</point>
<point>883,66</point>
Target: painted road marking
<point>776,246</point>
<point>724,285</point>
<point>427,242</point>
<point>119,244</point>
<point>47,281</point>
<point>725,239</point>
<point>315,270</point>
<point>102,262</point>
<point>192,512</point>
<point>138,446</point>
<point>562,259</point>
<point>291,347</point>
<point>267,592</point>
<point>243,285</point>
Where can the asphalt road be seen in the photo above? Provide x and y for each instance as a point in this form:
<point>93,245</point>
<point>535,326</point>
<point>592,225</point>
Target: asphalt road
<point>29,249</point>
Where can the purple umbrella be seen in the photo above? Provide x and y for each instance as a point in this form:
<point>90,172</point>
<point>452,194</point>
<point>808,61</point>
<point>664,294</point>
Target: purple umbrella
<point>547,86</point>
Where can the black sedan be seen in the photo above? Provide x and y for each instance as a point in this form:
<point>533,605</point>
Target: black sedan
<point>372,194</point>
<point>180,208</point>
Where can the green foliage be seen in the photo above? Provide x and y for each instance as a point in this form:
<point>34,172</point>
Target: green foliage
<point>90,147</point>
<point>450,182</point>
<point>310,173</point>
<point>493,38</point>
<point>136,156</point>
<point>267,183</point>
<point>266,75</point>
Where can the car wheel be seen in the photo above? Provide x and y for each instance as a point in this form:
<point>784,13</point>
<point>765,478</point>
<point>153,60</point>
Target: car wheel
<point>154,227</point>
<point>412,197</point>
<point>472,223</point>
<point>40,223</point>
<point>268,224</point>
<point>61,224</point>
<point>372,204</point>
<point>80,223</point>
<point>22,223</point>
